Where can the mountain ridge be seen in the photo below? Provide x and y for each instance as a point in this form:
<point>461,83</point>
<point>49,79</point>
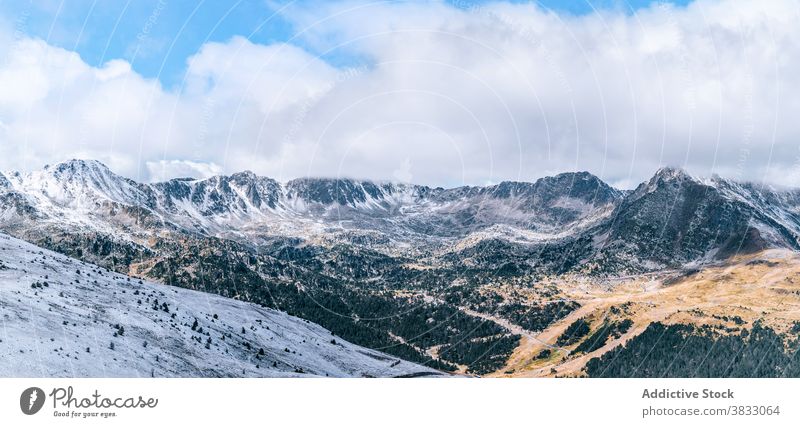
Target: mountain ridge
<point>85,194</point>
<point>247,197</point>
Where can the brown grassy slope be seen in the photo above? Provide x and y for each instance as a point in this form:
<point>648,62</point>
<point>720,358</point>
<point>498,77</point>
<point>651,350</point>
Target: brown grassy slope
<point>765,286</point>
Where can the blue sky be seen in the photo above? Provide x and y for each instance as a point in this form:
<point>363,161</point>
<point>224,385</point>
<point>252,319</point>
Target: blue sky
<point>157,36</point>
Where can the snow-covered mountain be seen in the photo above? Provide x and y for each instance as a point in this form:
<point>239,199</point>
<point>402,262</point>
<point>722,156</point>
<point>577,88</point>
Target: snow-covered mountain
<point>65,318</point>
<point>673,215</point>
<point>396,267</point>
<point>82,195</point>
<point>673,210</point>
<point>674,219</point>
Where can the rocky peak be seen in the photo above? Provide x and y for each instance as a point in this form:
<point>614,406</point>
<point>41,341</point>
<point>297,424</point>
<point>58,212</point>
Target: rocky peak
<point>244,177</point>
<point>82,171</point>
<point>579,185</point>
<point>221,194</point>
<point>666,179</point>
<point>343,191</point>
<point>83,181</point>
<point>671,174</point>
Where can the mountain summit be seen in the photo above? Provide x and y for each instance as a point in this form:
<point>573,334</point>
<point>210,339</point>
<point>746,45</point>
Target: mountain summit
<point>672,218</point>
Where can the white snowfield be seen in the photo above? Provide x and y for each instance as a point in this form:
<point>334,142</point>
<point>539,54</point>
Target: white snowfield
<point>60,317</point>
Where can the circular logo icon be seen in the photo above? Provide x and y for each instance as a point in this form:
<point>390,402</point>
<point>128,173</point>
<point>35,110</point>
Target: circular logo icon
<point>31,400</point>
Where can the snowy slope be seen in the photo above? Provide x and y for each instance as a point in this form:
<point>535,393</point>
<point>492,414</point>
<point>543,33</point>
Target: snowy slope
<point>60,318</point>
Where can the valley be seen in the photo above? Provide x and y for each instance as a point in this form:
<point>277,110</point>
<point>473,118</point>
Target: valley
<point>469,280</point>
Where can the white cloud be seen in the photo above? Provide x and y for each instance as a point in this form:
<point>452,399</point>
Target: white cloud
<point>163,170</point>
<point>448,96</point>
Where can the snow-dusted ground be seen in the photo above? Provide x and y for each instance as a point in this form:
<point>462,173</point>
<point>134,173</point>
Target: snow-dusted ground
<point>60,317</point>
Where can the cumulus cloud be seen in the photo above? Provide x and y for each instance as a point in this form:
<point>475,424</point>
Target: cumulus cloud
<point>438,94</point>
